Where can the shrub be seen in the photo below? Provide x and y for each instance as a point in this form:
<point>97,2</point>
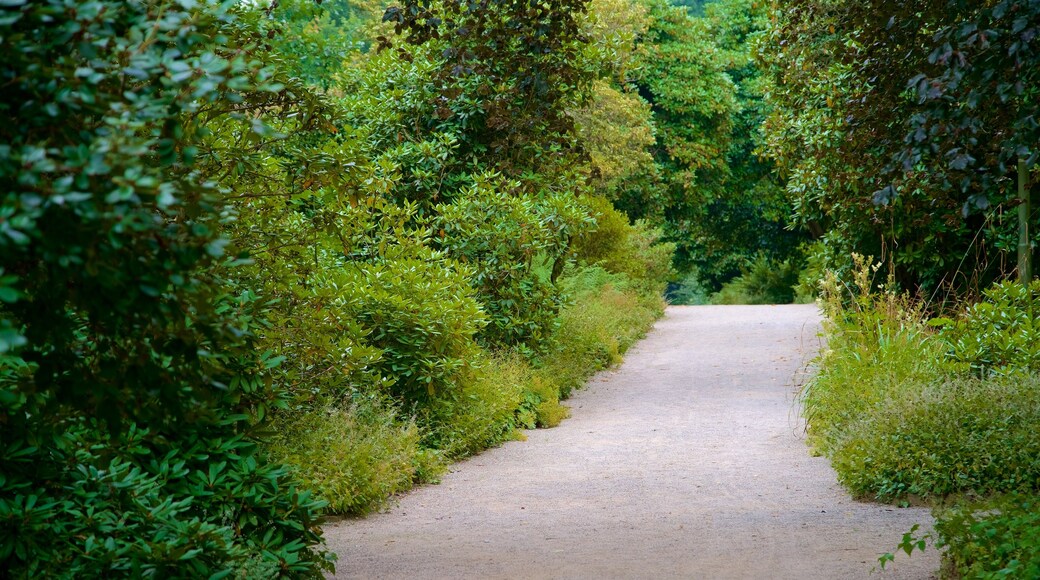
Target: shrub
<point>903,411</point>
<point>999,335</point>
<point>811,276</point>
<point>131,396</point>
<point>421,314</point>
<point>608,314</point>
<point>617,246</point>
<point>481,413</point>
<point>954,435</point>
<point>997,538</point>
<point>878,348</point>
<point>353,457</point>
<point>688,290</point>
<point>764,282</point>
<point>500,236</point>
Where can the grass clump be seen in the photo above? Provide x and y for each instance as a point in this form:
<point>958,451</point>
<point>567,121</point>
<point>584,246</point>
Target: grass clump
<point>878,350</point>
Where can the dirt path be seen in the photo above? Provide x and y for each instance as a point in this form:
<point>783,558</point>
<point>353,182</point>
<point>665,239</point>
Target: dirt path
<point>687,462</point>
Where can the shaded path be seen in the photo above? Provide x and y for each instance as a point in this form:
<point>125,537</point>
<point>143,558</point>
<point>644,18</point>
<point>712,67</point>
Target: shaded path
<point>687,462</point>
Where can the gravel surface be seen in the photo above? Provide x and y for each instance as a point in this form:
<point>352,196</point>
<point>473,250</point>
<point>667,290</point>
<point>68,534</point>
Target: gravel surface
<point>686,462</point>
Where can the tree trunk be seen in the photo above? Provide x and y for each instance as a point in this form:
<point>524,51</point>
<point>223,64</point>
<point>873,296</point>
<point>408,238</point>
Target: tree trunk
<point>1025,252</point>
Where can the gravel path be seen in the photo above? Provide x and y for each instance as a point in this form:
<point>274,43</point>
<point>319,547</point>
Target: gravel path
<point>686,462</point>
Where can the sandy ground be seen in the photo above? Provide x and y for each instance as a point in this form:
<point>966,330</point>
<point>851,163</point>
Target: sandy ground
<point>687,462</point>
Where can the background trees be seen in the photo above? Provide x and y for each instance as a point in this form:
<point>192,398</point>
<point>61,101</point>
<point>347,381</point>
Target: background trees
<point>716,197</point>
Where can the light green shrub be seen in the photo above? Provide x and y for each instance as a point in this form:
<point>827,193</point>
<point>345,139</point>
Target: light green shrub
<point>953,435</point>
<point>999,335</point>
<point>617,246</point>
<point>500,233</point>
<point>608,314</point>
<point>422,315</point>
<point>353,457</point>
<point>481,413</point>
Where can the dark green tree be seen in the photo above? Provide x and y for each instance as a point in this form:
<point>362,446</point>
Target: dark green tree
<point>893,122</point>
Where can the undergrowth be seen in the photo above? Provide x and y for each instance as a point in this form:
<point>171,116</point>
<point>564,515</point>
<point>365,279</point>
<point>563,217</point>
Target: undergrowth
<point>945,410</point>
<point>358,452</point>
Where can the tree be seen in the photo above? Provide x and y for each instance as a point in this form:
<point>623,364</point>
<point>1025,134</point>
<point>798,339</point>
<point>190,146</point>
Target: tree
<point>507,74</point>
<point>886,140</point>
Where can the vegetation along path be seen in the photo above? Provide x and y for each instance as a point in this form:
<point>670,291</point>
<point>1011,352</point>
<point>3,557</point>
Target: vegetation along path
<point>687,462</point>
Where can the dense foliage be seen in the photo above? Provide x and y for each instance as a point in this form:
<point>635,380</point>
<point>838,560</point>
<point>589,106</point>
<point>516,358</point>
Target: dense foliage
<point>252,267</point>
<point>907,411</point>
<point>897,125</point>
<point>131,385</point>
<point>261,260</point>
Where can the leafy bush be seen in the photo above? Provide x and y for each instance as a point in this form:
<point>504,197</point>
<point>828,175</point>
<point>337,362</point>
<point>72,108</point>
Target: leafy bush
<point>481,413</point>
<point>999,335</point>
<point>130,391</point>
<point>949,436</point>
<point>142,503</point>
<point>811,276</point>
<point>901,410</point>
<point>501,235</point>
<point>618,246</point>
<point>608,314</point>
<point>764,282</point>
<point>997,538</point>
<point>423,317</point>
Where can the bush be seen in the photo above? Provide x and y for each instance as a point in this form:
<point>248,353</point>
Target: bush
<point>878,348</point>
<point>954,435</point>
<point>617,246</point>
<point>901,410</point>
<point>764,282</point>
<point>688,290</point>
<point>500,236</point>
<point>131,396</point>
<point>997,538</point>
<point>423,317</point>
<point>1001,334</point>
<point>608,314</point>
<point>353,457</point>
<point>481,412</point>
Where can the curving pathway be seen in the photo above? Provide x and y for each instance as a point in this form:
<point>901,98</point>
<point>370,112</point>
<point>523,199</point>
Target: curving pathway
<point>686,462</point>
